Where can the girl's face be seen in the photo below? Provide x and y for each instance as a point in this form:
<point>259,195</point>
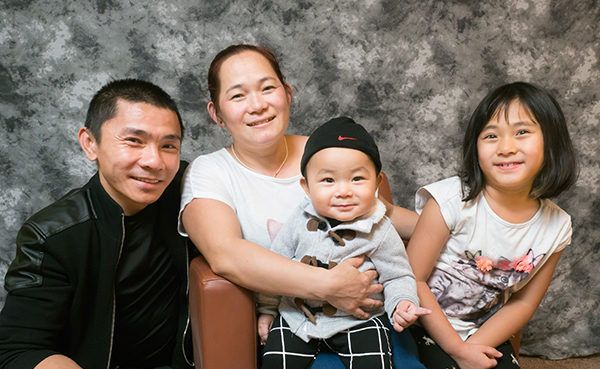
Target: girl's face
<point>253,104</point>
<point>510,150</point>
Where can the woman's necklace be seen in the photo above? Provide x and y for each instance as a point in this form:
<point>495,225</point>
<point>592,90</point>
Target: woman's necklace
<point>247,167</point>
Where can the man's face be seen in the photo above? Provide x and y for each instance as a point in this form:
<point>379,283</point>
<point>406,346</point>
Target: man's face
<point>137,154</point>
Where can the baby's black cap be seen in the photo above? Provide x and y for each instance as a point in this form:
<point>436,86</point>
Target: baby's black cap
<point>341,132</point>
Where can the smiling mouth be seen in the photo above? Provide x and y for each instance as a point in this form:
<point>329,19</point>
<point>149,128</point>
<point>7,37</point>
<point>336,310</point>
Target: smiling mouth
<point>147,180</point>
<point>343,206</point>
<point>259,122</point>
<point>510,165</point>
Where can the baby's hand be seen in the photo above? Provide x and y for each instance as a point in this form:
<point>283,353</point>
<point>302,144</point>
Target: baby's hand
<point>265,321</point>
<point>406,313</point>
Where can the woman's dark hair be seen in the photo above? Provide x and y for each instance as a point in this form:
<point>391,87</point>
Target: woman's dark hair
<point>559,170</point>
<point>104,103</point>
<point>215,66</point>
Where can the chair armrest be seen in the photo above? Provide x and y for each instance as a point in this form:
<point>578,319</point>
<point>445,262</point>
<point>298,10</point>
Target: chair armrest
<point>223,320</point>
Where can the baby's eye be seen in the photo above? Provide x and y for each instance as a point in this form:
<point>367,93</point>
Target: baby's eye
<point>327,180</point>
<point>268,88</point>
<point>522,132</point>
<point>489,136</point>
<point>358,178</point>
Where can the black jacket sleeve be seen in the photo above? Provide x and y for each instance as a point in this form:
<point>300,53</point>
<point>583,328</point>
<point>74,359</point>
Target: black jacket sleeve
<point>36,305</point>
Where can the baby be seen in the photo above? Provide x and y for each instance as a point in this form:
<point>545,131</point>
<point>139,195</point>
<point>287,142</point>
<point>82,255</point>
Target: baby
<point>341,172</point>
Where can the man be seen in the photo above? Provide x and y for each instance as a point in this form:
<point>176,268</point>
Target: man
<point>100,276</point>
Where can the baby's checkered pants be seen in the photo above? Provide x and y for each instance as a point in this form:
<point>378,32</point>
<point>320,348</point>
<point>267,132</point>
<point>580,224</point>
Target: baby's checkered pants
<point>364,346</point>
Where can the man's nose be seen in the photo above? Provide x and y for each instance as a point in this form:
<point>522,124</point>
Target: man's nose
<point>151,158</point>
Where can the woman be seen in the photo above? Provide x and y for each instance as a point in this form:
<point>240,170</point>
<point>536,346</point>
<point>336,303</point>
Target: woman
<point>235,199</point>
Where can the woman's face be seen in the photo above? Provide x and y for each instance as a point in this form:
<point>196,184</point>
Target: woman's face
<point>253,104</point>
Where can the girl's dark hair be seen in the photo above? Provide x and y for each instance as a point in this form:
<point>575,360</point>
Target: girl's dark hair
<point>559,170</point>
<point>215,66</point>
<point>104,104</point>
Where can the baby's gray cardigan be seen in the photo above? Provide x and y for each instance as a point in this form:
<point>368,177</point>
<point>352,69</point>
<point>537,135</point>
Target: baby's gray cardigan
<point>375,237</point>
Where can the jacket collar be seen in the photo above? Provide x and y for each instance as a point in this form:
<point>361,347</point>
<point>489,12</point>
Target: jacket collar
<point>363,224</point>
<point>109,213</point>
<point>104,209</point>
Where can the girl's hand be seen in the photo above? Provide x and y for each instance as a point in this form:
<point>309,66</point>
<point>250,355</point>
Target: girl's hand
<point>406,313</point>
<point>476,356</point>
<point>265,321</point>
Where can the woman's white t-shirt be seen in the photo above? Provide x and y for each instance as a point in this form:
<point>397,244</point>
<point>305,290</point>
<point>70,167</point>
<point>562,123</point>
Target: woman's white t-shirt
<point>262,203</point>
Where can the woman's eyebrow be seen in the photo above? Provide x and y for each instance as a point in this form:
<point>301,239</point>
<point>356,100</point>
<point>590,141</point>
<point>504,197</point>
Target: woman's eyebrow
<point>240,85</point>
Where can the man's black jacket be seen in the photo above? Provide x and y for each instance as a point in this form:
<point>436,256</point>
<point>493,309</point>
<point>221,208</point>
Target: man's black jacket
<point>61,284</point>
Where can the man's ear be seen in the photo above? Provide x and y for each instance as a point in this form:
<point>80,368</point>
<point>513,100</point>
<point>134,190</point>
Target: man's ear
<point>212,111</point>
<point>88,143</point>
<point>304,186</point>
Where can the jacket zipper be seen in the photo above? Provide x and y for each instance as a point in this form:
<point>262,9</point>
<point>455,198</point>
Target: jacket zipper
<point>187,291</point>
<point>114,308</point>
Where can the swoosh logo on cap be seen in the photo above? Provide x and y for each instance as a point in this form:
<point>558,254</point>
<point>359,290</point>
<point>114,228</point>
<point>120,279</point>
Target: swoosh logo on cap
<point>342,138</point>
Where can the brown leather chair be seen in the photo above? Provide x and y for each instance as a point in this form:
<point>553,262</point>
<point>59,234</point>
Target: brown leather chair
<point>223,316</point>
<point>223,320</point>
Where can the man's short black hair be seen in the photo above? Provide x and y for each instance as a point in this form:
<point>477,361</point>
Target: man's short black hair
<point>104,105</point>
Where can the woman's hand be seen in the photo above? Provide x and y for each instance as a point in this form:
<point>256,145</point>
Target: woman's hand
<point>476,356</point>
<point>350,290</point>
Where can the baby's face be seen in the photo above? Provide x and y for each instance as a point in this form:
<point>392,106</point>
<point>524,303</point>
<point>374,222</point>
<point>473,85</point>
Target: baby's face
<point>341,183</point>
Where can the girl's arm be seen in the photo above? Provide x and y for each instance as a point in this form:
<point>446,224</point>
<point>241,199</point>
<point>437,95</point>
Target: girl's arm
<point>424,249</point>
<point>215,230</point>
<point>519,309</point>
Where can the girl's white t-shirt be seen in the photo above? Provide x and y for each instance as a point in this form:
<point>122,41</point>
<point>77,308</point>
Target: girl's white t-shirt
<point>486,258</point>
<point>261,203</point>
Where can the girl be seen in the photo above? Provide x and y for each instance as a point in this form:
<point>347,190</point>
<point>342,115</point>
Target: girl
<point>487,243</point>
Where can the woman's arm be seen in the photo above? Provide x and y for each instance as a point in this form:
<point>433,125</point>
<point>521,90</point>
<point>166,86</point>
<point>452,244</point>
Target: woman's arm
<point>424,249</point>
<point>519,309</point>
<point>215,230</point>
<point>404,221</point>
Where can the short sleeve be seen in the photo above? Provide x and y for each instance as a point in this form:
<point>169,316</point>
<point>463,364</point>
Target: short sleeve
<point>560,220</point>
<point>448,195</point>
<point>566,239</point>
<point>286,240</point>
<point>204,178</point>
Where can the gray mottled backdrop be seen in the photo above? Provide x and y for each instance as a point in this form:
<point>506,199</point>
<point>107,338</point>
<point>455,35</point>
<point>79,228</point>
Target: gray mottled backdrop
<point>411,71</point>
